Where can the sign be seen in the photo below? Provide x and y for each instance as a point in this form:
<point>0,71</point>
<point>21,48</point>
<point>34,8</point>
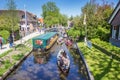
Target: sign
<point>38,42</point>
<point>89,44</point>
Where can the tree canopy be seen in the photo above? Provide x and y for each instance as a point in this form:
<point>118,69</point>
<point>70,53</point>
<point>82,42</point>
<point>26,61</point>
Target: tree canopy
<point>12,15</point>
<point>52,15</point>
<point>96,18</point>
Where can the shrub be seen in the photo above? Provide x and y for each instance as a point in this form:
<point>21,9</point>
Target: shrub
<point>5,34</point>
<point>17,35</point>
<point>103,33</point>
<point>73,33</point>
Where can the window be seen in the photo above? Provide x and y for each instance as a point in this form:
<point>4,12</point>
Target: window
<point>114,32</point>
<point>23,16</point>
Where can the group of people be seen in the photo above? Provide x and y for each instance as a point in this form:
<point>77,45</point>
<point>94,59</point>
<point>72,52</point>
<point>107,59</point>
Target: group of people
<point>10,40</point>
<point>63,59</point>
<point>69,42</point>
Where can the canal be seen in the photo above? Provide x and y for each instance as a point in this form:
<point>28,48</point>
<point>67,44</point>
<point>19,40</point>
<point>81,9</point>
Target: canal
<point>44,67</point>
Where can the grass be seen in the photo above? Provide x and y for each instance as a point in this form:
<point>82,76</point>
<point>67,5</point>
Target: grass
<point>100,64</point>
<point>18,57</point>
<point>107,48</point>
<point>4,54</point>
<point>5,67</point>
<point>12,56</point>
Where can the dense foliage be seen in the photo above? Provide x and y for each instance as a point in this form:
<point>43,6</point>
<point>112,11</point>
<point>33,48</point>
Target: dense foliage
<point>96,20</point>
<point>52,16</point>
<point>9,20</point>
<point>12,15</point>
<point>5,35</point>
<point>73,33</point>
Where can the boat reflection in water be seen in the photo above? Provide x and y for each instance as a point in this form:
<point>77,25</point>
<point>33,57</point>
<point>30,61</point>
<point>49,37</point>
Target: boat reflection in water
<point>40,57</point>
<point>63,75</point>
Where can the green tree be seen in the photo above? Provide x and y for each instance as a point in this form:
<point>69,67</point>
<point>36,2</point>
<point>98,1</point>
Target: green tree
<point>74,33</point>
<point>97,16</point>
<point>12,16</point>
<point>52,16</point>
<point>63,19</point>
<point>50,13</point>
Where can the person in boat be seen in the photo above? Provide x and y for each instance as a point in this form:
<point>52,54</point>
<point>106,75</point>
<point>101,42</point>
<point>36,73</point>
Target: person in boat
<point>64,61</point>
<point>68,42</point>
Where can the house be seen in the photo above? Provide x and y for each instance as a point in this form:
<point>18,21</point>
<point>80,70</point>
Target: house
<point>114,21</point>
<point>30,18</point>
<point>27,24</point>
<point>40,21</point>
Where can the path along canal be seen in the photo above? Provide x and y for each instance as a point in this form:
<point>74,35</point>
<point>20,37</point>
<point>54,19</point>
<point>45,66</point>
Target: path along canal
<point>44,67</point>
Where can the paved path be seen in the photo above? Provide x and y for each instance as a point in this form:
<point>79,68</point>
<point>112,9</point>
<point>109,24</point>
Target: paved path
<point>6,46</point>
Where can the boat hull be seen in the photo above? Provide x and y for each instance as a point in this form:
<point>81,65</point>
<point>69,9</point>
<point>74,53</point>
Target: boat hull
<point>63,67</point>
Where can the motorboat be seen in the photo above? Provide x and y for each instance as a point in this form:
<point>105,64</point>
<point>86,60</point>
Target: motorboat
<point>63,61</point>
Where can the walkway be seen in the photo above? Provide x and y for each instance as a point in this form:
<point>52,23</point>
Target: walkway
<point>6,46</point>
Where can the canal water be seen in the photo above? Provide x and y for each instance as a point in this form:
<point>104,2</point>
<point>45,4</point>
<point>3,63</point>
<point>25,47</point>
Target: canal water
<point>44,67</point>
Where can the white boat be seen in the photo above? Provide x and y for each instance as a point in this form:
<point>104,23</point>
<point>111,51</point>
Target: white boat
<point>60,40</point>
<point>63,61</point>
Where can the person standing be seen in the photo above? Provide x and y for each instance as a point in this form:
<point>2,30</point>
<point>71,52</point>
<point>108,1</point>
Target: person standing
<point>1,41</point>
<point>10,39</point>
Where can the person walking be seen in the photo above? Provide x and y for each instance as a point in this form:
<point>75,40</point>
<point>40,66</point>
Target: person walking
<point>10,39</point>
<point>1,41</point>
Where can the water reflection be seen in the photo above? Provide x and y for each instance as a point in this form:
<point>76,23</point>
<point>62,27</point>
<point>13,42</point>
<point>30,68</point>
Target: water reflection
<point>63,75</point>
<point>44,67</point>
<point>40,57</point>
<point>78,61</point>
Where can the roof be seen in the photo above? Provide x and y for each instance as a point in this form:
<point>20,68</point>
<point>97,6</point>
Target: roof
<point>41,20</point>
<point>30,17</point>
<point>45,36</point>
<point>117,8</point>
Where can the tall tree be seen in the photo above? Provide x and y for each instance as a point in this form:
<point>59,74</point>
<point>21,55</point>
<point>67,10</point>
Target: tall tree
<point>97,16</point>
<point>52,16</point>
<point>50,13</point>
<point>63,19</point>
<point>12,15</point>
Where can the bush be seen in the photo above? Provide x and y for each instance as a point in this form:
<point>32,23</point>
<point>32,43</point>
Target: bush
<point>5,34</point>
<point>103,33</point>
<point>17,35</point>
<point>74,33</point>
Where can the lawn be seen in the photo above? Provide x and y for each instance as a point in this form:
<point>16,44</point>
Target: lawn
<point>101,65</point>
